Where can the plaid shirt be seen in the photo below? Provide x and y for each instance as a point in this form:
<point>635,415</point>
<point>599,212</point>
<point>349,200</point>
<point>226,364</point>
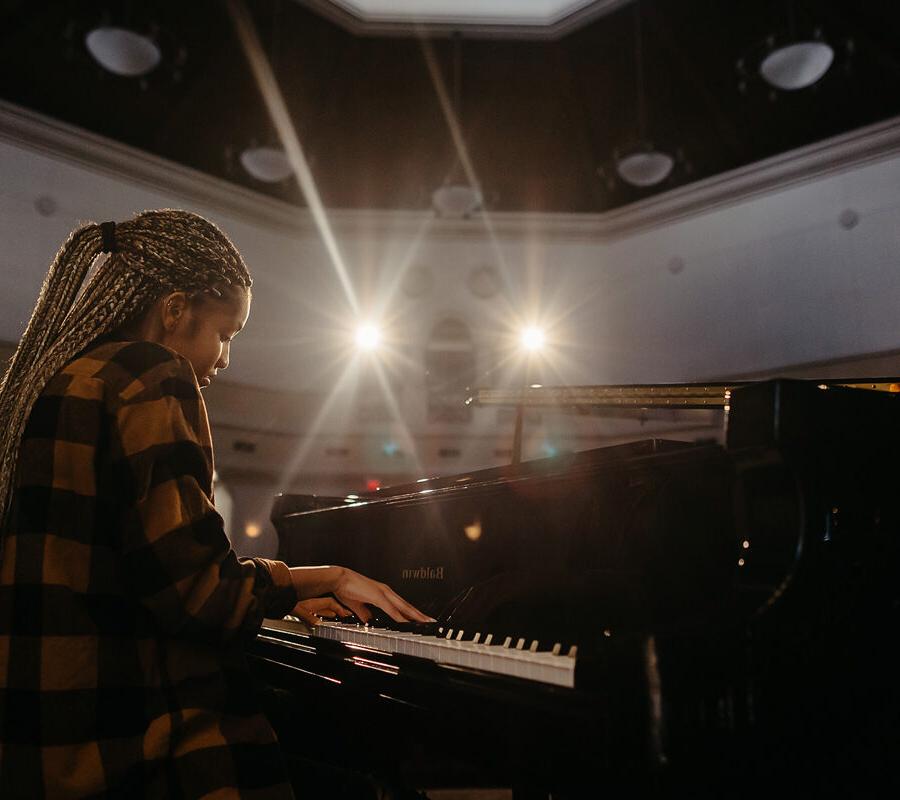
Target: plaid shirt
<point>123,609</point>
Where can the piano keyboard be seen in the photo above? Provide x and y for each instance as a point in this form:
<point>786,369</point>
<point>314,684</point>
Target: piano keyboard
<point>513,657</point>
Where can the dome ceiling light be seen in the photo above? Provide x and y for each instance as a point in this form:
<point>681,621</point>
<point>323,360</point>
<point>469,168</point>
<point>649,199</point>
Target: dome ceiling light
<point>267,164</point>
<point>794,59</point>
<point>457,198</point>
<point>456,201</point>
<point>645,168</point>
<point>641,164</point>
<point>123,52</point>
<point>796,66</point>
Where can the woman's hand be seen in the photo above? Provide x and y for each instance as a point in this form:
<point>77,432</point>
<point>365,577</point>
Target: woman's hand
<point>355,590</point>
<point>311,610</point>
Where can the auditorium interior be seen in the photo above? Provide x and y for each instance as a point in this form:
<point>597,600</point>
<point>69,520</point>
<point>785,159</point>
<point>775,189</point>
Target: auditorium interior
<point>573,320</point>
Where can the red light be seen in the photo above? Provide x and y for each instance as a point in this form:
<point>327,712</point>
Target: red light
<point>373,485</point>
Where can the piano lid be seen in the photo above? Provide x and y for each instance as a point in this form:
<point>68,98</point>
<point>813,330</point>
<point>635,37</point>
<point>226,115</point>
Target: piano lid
<point>646,396</point>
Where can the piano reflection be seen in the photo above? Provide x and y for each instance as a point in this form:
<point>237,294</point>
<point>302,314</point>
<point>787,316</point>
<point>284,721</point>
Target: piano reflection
<point>667,616</point>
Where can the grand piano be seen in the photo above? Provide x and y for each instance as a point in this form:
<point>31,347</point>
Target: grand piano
<point>716,617</point>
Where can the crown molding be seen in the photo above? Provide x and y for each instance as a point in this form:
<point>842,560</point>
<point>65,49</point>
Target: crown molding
<point>33,131</point>
<point>832,156</point>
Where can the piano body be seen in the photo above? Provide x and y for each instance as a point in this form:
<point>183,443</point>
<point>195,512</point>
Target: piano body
<point>656,616</point>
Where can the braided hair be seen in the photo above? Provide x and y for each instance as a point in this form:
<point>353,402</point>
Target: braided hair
<point>154,253</point>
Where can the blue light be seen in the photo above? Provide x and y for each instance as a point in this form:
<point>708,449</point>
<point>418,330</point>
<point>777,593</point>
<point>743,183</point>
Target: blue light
<point>390,448</point>
<point>549,450</point>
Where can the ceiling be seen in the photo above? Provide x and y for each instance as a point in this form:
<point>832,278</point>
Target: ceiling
<point>542,120</point>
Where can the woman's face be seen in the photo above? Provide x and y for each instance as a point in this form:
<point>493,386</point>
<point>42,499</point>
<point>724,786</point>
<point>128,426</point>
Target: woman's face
<point>202,330</point>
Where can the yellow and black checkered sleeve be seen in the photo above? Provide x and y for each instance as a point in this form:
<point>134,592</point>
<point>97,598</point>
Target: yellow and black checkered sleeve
<point>176,556</point>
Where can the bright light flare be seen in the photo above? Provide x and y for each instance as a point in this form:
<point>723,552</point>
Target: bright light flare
<point>368,337</point>
<point>532,338</point>
<point>253,530</point>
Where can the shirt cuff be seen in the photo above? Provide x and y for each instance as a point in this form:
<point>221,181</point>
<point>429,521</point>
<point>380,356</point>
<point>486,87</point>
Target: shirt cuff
<point>276,589</point>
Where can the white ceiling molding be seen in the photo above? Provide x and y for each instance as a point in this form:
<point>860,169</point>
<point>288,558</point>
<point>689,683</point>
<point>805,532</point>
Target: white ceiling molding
<point>544,19</point>
<point>30,130</point>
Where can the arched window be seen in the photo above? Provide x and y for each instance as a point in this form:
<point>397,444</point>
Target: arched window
<point>449,371</point>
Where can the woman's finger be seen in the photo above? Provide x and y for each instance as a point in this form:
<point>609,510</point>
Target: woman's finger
<point>307,616</point>
<point>409,610</point>
<point>362,613</point>
<point>332,608</point>
<point>310,610</point>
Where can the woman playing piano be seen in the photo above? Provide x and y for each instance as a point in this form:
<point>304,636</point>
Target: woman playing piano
<point>123,608</point>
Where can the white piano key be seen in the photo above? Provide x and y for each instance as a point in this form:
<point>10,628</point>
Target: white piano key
<point>450,648</point>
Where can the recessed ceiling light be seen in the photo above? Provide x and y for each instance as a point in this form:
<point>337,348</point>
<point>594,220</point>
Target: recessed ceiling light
<point>797,66</point>
<point>123,52</point>
<point>267,164</point>
<point>645,168</point>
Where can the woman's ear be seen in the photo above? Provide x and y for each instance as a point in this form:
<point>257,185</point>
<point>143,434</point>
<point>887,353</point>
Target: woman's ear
<point>173,309</point>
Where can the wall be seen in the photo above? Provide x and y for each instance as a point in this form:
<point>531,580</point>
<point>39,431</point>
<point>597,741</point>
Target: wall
<point>763,283</point>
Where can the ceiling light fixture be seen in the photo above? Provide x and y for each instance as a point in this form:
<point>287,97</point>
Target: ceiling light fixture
<point>456,198</point>
<point>642,164</point>
<point>123,52</point>
<point>368,337</point>
<point>525,19</point>
<point>792,60</point>
<point>267,164</point>
<point>796,66</point>
<point>532,338</point>
<point>646,167</point>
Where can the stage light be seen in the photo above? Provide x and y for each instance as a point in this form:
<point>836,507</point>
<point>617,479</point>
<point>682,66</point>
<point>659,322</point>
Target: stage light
<point>368,337</point>
<point>532,338</point>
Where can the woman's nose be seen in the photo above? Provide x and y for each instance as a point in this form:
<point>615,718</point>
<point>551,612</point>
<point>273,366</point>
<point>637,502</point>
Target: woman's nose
<point>222,363</point>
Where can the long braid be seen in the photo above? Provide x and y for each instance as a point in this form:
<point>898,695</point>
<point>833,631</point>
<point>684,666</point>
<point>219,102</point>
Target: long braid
<point>156,252</point>
<point>67,270</point>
